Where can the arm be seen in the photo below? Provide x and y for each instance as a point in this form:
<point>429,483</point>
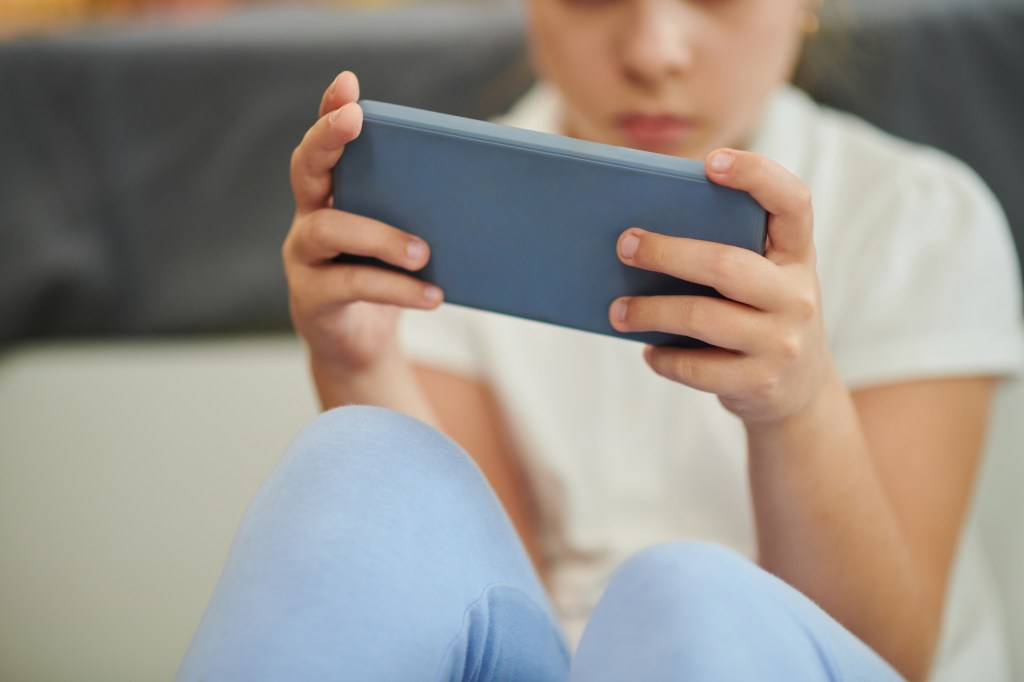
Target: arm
<point>859,505</point>
<point>391,383</point>
<point>858,500</point>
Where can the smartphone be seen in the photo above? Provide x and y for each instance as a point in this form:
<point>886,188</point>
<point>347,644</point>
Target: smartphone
<point>525,223</point>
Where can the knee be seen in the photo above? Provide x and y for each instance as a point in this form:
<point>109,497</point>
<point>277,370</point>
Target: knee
<point>688,581</point>
<point>397,489</point>
<point>690,571</point>
<point>706,591</point>
<point>366,424</point>
<point>376,460</point>
<point>702,611</point>
<point>376,441</point>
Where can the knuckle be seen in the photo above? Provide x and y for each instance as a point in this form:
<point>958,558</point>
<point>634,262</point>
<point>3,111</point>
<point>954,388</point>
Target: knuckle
<point>293,248</point>
<point>309,165</point>
<point>766,386</point>
<point>790,346</point>
<point>288,249</point>
<point>758,164</point>
<point>805,306</point>
<point>302,162</point>
<point>295,164</point>
<point>692,315</point>
<point>318,229</point>
<point>329,140</point>
<point>723,265</point>
<point>353,280</point>
<point>684,367</point>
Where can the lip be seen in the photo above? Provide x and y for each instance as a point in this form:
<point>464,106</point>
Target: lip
<point>654,131</point>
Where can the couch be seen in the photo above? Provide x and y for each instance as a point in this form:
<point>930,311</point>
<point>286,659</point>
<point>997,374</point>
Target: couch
<point>148,375</point>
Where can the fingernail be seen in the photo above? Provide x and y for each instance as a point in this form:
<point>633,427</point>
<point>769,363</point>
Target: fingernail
<point>619,309</point>
<point>333,85</point>
<point>629,245</point>
<point>432,293</point>
<point>416,250</point>
<point>722,161</point>
<point>334,116</point>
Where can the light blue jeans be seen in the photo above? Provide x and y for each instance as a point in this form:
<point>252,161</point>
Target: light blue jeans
<point>376,551</point>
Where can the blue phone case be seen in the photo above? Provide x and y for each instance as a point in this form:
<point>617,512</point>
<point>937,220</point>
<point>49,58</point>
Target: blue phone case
<point>526,223</point>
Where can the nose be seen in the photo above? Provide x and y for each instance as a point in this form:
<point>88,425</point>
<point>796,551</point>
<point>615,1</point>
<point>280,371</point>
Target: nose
<point>657,41</point>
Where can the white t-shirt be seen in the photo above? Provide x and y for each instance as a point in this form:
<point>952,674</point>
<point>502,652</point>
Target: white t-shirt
<point>918,279</point>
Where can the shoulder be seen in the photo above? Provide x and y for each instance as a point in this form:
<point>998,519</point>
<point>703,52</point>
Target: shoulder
<point>918,270</point>
<point>878,197</point>
<point>861,173</point>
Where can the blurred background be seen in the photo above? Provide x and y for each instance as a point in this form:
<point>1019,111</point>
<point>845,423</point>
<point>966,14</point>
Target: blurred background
<point>149,377</point>
<point>33,16</point>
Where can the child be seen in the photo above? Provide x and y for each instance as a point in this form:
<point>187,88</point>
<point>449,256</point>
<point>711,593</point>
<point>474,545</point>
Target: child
<point>826,447</point>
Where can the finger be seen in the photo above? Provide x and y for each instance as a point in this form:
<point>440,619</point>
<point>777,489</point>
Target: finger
<point>721,323</point>
<point>713,370</point>
<point>322,235</point>
<point>314,159</point>
<point>342,90</point>
<point>786,199</point>
<point>330,286</point>
<point>736,273</point>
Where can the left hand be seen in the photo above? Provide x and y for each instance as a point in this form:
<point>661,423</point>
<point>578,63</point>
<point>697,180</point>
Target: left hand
<point>771,358</point>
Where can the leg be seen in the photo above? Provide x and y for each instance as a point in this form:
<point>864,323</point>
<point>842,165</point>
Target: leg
<point>697,611</point>
<point>376,550</point>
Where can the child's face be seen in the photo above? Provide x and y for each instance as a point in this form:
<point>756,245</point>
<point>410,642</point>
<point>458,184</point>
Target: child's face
<point>678,77</point>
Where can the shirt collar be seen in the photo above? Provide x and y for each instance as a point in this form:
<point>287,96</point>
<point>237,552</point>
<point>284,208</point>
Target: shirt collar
<point>777,137</point>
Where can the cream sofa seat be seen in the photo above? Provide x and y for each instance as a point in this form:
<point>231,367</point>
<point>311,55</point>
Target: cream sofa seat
<point>125,470</point>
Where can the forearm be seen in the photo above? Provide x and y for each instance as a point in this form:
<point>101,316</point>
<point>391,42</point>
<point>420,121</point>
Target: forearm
<point>390,383</point>
<point>824,524</point>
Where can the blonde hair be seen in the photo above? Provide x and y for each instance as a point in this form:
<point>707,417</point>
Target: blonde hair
<point>828,52</point>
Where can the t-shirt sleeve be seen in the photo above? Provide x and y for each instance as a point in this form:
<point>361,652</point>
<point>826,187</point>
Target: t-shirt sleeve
<point>448,338</point>
<point>935,289</point>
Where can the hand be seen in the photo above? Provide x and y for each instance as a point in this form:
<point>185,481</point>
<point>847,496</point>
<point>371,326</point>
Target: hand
<point>772,357</point>
<point>346,313</point>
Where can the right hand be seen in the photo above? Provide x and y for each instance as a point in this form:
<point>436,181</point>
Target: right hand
<point>347,314</point>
